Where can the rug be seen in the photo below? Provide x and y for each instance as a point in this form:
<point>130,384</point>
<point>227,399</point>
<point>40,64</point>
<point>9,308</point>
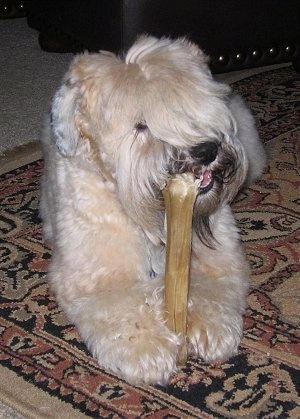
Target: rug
<point>45,369</point>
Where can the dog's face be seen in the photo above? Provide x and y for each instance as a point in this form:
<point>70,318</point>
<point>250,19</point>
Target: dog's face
<point>156,113</point>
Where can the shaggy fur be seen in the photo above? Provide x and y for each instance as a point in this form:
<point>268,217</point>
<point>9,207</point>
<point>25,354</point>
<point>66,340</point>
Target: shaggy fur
<point>119,129</point>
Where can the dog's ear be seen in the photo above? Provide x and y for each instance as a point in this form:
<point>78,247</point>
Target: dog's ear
<point>69,108</point>
<point>63,113</point>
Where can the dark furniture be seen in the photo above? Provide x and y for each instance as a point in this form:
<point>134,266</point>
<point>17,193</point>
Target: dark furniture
<point>237,34</point>
<point>10,9</point>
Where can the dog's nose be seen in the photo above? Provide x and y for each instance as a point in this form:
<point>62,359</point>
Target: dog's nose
<point>205,152</point>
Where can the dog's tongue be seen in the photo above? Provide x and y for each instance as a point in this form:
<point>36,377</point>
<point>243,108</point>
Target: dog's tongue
<point>206,178</point>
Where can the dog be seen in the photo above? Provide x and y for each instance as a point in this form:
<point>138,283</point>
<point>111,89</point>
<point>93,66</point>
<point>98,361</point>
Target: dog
<point>119,128</point>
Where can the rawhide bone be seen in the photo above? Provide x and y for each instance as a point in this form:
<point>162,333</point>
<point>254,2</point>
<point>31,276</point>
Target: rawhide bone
<point>179,196</point>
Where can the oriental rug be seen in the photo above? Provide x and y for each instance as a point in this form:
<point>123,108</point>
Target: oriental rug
<point>45,369</point>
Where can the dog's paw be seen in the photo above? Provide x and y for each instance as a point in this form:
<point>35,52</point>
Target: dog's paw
<point>214,338</point>
<point>142,357</point>
<point>125,331</point>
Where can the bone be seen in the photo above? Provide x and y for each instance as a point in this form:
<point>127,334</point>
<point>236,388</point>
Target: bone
<point>179,195</point>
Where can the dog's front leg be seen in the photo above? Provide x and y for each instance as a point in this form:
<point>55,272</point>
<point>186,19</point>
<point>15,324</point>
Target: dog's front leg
<point>125,332</point>
<point>120,316</point>
<point>218,291</point>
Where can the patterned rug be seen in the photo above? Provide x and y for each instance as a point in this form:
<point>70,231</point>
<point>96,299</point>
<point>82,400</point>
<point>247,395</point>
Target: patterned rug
<point>45,370</point>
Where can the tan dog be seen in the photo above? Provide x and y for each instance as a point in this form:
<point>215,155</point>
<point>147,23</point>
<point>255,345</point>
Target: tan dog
<point>119,130</point>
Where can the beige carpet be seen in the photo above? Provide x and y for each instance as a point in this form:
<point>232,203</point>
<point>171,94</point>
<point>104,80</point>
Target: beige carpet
<point>28,79</point>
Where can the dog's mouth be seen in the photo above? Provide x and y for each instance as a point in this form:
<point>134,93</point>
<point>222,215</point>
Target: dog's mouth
<point>206,180</point>
<point>205,177</point>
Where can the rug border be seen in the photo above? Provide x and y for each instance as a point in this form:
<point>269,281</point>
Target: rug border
<point>19,156</point>
<point>28,392</point>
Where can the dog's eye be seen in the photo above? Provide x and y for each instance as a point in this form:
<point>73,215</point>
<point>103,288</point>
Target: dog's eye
<point>141,126</point>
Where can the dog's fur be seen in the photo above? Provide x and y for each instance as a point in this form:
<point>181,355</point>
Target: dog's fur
<point>120,129</point>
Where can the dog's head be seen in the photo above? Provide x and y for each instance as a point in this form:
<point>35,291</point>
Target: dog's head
<point>154,113</point>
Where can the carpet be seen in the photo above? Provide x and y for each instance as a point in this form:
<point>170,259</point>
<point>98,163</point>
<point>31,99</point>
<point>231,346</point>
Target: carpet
<point>45,369</point>
<point>28,79</point>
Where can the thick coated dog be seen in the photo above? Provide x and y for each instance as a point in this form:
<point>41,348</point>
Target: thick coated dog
<point>120,128</point>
